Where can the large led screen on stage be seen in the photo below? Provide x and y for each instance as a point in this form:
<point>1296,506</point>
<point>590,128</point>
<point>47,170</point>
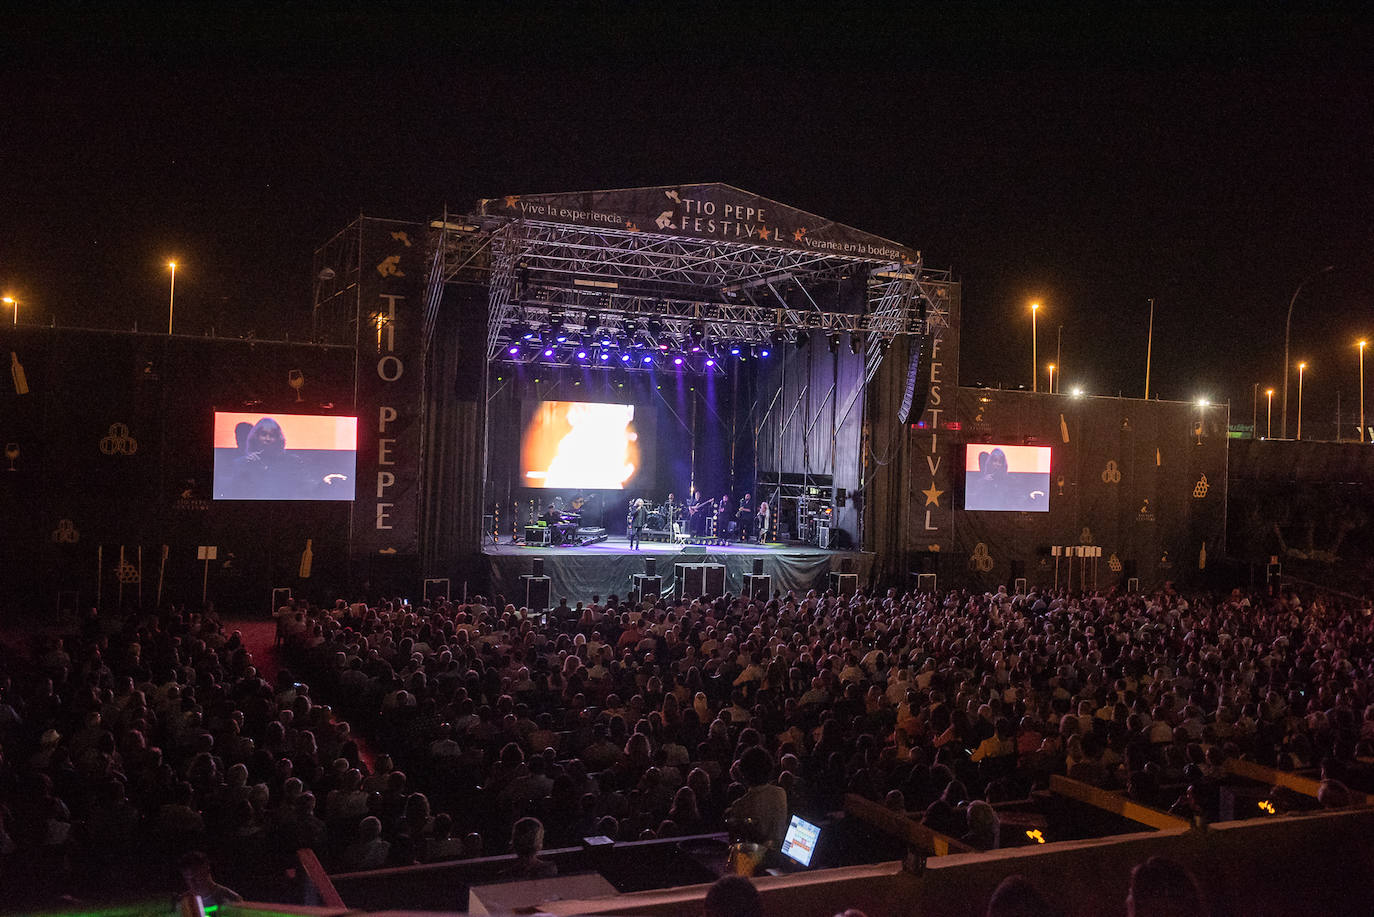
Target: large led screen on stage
<point>1007,478</point>
<point>284,456</point>
<point>582,445</point>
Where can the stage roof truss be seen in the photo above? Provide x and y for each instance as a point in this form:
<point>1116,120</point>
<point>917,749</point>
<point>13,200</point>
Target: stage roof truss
<point>733,291</point>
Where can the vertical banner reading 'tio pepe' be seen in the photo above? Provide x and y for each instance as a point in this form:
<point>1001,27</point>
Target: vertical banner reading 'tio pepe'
<point>390,346</point>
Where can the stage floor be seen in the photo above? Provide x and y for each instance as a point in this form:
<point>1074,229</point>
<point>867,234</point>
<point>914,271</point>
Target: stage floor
<point>606,568</point>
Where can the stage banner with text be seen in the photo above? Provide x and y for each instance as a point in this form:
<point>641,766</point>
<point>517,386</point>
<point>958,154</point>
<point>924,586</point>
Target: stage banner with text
<point>386,517</point>
<point>934,434</point>
<point>713,212</point>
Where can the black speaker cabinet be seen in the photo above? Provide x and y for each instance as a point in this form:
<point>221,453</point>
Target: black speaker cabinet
<point>844,583</point>
<point>536,592</point>
<point>646,587</point>
<point>715,579</point>
<point>537,566</point>
<point>758,566</point>
<point>758,587</point>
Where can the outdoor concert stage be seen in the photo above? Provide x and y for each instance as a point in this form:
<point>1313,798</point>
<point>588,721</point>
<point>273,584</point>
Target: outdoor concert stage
<point>606,568</point>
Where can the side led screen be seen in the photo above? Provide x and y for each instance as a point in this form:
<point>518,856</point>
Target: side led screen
<point>1007,478</point>
<point>284,456</point>
<point>579,445</point>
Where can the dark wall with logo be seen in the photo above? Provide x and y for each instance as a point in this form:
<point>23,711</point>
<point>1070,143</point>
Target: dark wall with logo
<point>1143,481</point>
<point>110,448</point>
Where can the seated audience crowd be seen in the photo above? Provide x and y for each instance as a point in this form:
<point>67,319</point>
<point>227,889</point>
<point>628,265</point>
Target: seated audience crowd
<point>659,719</point>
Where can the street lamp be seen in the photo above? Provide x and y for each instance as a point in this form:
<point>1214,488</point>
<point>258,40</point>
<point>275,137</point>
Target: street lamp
<point>1287,326</point>
<point>1301,367</point>
<point>11,301</point>
<point>1035,361</point>
<point>1052,380</point>
<point>172,298</point>
<point>1362,344</point>
<point>1269,414</point>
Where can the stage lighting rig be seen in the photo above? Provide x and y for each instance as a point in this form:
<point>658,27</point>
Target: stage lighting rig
<point>801,339</point>
<point>833,342</point>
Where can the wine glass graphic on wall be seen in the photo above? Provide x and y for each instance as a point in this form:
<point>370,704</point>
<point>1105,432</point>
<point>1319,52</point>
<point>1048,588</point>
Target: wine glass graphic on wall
<point>12,453</point>
<point>296,379</point>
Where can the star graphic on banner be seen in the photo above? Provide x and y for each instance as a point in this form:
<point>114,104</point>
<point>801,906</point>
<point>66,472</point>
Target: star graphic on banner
<point>933,495</point>
<point>798,233</point>
<point>511,199</point>
<point>763,233</point>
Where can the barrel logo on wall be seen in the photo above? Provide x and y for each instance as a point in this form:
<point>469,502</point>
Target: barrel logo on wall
<point>66,532</point>
<point>118,441</point>
<point>980,559</point>
<point>1111,474</point>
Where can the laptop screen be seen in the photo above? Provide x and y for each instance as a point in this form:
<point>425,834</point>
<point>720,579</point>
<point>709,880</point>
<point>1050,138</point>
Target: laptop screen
<point>800,841</point>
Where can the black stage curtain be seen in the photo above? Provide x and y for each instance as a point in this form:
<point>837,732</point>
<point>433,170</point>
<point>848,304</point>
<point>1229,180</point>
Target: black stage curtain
<point>454,434</point>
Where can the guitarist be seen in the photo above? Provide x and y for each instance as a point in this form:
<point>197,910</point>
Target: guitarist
<point>698,511</point>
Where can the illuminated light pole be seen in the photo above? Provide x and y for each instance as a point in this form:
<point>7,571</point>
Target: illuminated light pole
<point>172,299</point>
<point>1051,378</point>
<point>1362,344</point>
<point>1287,327</point>
<point>1269,414</point>
<point>1301,367</point>
<point>1035,360</point>
<point>11,301</point>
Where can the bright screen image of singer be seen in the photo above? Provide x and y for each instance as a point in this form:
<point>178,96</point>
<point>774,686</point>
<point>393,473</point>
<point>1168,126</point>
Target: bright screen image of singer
<point>284,456</point>
<point>581,445</point>
<point>1007,478</point>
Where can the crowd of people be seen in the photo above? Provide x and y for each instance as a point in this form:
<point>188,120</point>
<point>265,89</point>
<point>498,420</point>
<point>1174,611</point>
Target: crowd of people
<point>494,730</point>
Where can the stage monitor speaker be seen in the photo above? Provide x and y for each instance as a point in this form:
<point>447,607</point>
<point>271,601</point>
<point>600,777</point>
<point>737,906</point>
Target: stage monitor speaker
<point>715,579</point>
<point>758,587</point>
<point>1018,586</point>
<point>650,565</point>
<point>844,583</point>
<point>758,566</point>
<point>925,582</point>
<point>646,587</point>
<point>536,591</point>
<point>841,495</point>
<point>436,588</point>
<point>846,565</point>
<point>689,581</point>
<point>537,567</point>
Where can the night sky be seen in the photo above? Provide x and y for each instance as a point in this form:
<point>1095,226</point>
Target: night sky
<point>1211,161</point>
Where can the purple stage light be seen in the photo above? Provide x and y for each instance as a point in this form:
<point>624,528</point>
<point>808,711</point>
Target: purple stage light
<point>710,362</point>
<point>648,359</point>
<point>605,356</point>
<point>582,354</point>
<point>677,361</point>
<point>624,358</point>
<point>514,351</point>
<point>763,353</point>
<point>549,352</point>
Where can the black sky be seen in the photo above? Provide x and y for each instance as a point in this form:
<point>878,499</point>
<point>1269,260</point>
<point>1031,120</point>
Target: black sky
<point>1210,160</point>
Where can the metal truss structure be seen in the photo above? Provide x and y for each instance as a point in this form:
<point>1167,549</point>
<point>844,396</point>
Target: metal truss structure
<point>561,293</point>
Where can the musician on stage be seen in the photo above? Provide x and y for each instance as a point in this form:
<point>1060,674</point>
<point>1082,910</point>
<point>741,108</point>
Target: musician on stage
<point>723,516</point>
<point>765,517</point>
<point>745,516</point>
<point>638,517</point>
<point>697,512</point>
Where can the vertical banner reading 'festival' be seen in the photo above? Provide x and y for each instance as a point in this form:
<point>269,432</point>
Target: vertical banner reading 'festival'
<point>390,318</point>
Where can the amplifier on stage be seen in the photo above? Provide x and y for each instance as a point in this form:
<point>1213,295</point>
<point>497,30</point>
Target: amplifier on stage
<point>536,590</point>
<point>537,534</point>
<point>844,583</point>
<point>758,586</point>
<point>647,587</point>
